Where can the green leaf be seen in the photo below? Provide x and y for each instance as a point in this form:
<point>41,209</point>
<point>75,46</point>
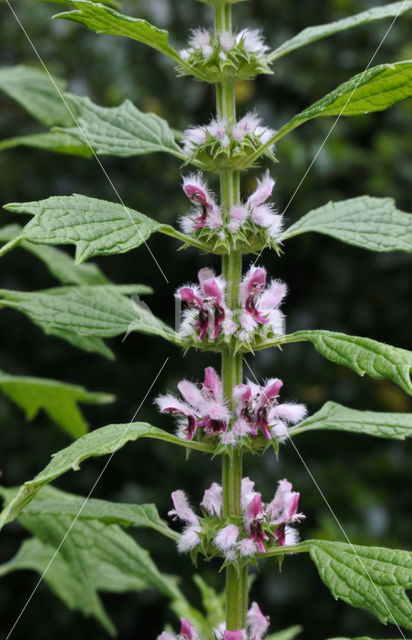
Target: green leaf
<point>54,502</point>
<point>335,417</point>
<point>58,399</point>
<point>104,441</point>
<point>369,223</point>
<point>372,90</point>
<point>59,576</point>
<point>377,359</point>
<point>286,634</point>
<point>57,142</point>
<point>38,93</point>
<point>104,20</point>
<point>120,131</point>
<point>84,315</point>
<point>372,578</point>
<point>59,263</point>
<point>96,227</point>
<point>85,556</point>
<point>311,34</point>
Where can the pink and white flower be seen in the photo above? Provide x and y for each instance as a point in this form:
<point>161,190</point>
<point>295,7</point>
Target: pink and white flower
<point>238,634</point>
<point>257,624</point>
<point>207,301</point>
<point>252,41</point>
<point>213,499</point>
<point>254,516</point>
<point>190,538</point>
<point>227,537</point>
<point>258,407</point>
<point>283,511</point>
<point>262,213</point>
<point>260,303</point>
<point>202,407</point>
<point>199,194</point>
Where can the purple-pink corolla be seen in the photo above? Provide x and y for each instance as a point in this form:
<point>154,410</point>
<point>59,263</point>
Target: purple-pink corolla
<point>257,410</point>
<point>207,310</point>
<point>262,213</point>
<point>202,407</point>
<point>260,303</point>
<point>260,520</point>
<point>208,213</point>
<point>282,511</point>
<point>257,624</point>
<point>187,632</point>
<point>189,539</point>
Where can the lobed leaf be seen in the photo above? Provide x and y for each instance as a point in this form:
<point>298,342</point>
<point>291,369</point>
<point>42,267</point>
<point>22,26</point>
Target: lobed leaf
<point>84,315</point>
<point>38,93</point>
<point>372,578</point>
<point>59,263</point>
<point>54,502</point>
<point>90,555</point>
<point>105,20</point>
<point>365,222</point>
<point>120,131</point>
<point>104,441</point>
<point>50,141</point>
<point>96,227</point>
<point>335,417</point>
<point>58,575</point>
<point>58,399</point>
<point>311,34</point>
<point>375,89</point>
<point>365,356</point>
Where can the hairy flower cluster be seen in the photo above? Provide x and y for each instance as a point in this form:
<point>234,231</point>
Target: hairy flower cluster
<point>260,524</point>
<point>256,627</point>
<point>203,412</point>
<point>252,224</point>
<point>216,56</point>
<point>206,317</point>
<point>220,144</point>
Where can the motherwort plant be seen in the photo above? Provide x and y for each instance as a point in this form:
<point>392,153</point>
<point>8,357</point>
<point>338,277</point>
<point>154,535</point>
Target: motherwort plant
<point>230,313</point>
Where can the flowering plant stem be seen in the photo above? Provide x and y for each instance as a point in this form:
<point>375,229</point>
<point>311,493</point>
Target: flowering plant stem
<point>236,580</point>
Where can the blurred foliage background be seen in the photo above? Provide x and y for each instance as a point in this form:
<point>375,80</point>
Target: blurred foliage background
<point>332,286</point>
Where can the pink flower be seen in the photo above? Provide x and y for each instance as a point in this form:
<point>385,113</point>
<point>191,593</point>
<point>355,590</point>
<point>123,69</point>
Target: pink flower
<point>263,191</point>
<point>187,630</point>
<point>198,193</point>
<point>238,634</point>
<point>189,539</point>
<point>263,214</point>
<point>166,636</point>
<point>213,499</point>
<point>245,126</point>
<point>227,537</point>
<point>182,510</point>
<point>260,304</point>
<point>203,407</point>
<point>283,509</point>
<point>238,215</point>
<point>172,405</point>
<point>254,516</point>
<point>193,137</point>
<point>258,407</point>
<point>247,547</point>
<point>208,301</point>
<point>257,623</point>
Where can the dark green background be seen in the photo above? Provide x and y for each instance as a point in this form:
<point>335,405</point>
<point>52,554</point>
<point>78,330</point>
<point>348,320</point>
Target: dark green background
<point>332,286</point>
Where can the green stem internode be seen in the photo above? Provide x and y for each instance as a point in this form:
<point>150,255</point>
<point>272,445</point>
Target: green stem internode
<point>236,580</point>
